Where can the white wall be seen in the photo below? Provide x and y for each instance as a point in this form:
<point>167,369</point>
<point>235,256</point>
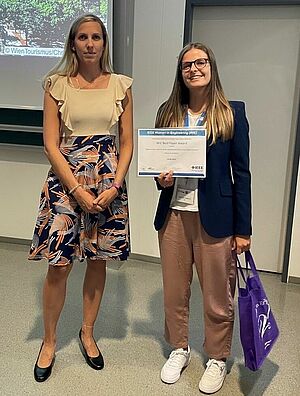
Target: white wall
<point>294,269</point>
<point>158,38</point>
<point>22,173</point>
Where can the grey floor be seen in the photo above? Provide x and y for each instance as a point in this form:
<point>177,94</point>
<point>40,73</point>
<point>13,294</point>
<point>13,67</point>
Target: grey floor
<point>129,332</point>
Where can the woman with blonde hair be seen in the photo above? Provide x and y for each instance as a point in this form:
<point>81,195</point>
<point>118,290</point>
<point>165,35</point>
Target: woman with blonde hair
<point>207,221</point>
<point>83,210</point>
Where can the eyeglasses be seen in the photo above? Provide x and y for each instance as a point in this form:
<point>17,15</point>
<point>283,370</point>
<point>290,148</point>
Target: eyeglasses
<point>199,63</point>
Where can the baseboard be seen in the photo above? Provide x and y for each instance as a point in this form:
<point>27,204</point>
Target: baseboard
<point>143,257</point>
<point>294,279</point>
<point>18,241</point>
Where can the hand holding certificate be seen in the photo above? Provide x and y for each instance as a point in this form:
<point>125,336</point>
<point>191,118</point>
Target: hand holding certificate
<point>182,150</point>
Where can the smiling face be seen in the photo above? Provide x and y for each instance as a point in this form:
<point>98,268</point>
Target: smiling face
<point>89,43</point>
<point>197,74</point>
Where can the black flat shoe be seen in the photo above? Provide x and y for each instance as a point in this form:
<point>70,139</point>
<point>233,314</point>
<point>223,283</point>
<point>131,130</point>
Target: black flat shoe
<point>42,373</point>
<point>97,363</point>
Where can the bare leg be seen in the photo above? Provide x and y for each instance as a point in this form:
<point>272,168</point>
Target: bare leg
<point>54,294</point>
<point>93,288</point>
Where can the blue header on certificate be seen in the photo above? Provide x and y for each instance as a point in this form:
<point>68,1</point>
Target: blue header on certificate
<point>198,131</point>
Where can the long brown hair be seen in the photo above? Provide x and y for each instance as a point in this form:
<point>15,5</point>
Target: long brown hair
<point>219,116</point>
<point>68,65</point>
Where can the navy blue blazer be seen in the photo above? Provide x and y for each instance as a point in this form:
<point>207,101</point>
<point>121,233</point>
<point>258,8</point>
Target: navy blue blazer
<point>224,196</point>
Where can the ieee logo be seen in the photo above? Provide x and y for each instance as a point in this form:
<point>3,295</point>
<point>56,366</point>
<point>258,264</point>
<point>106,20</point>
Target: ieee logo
<point>197,167</point>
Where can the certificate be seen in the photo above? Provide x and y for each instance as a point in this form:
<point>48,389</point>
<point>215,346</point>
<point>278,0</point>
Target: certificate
<point>182,150</point>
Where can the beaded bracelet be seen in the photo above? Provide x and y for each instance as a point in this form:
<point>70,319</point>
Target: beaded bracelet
<point>75,188</point>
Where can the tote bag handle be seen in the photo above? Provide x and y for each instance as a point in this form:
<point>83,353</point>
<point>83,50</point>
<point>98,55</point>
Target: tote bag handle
<point>250,262</point>
<point>250,265</point>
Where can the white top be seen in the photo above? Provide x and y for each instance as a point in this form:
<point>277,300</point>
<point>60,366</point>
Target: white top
<point>87,112</point>
<point>188,184</point>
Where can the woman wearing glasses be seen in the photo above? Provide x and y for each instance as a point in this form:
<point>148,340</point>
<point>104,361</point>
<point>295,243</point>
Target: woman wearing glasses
<point>203,221</point>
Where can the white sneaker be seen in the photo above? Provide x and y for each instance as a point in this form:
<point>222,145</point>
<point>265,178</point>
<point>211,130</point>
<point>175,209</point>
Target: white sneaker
<point>213,377</point>
<point>178,360</point>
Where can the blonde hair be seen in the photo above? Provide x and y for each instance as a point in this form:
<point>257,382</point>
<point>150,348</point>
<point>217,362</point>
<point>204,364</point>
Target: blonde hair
<point>219,116</point>
<point>68,65</point>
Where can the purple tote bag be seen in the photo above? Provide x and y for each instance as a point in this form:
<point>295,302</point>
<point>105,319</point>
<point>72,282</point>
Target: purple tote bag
<point>258,328</point>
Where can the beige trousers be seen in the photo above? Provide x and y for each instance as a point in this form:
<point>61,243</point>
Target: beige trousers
<point>183,242</point>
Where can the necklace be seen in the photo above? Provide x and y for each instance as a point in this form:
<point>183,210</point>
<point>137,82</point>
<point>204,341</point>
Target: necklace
<point>88,84</point>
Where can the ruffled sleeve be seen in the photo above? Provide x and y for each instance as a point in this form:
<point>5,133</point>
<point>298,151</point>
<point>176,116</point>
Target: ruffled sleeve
<point>57,87</point>
<point>122,84</point>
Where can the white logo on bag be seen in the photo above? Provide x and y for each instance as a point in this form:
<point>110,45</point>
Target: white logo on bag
<point>263,320</point>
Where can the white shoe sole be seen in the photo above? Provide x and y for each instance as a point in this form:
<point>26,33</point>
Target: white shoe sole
<point>168,381</point>
<point>211,391</point>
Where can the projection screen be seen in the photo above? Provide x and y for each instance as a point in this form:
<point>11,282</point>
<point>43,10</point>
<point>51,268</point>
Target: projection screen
<point>32,35</point>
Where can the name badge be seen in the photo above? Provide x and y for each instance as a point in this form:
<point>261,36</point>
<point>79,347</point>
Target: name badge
<point>184,195</point>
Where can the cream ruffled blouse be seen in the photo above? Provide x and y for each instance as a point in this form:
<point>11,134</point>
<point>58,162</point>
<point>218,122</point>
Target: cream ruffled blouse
<point>87,112</point>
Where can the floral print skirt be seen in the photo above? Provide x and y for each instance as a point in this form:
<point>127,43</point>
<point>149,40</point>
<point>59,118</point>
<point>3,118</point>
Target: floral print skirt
<point>63,230</point>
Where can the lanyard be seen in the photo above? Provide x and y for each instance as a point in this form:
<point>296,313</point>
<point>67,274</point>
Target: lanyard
<point>199,122</point>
